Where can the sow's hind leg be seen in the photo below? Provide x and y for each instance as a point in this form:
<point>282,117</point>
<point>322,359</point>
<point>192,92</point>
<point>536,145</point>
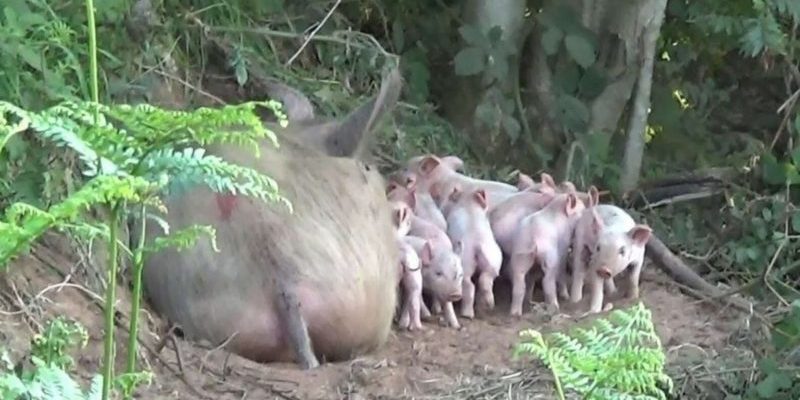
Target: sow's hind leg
<point>295,327</point>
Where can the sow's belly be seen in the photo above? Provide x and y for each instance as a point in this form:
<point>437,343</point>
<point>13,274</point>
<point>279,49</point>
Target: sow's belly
<point>341,324</point>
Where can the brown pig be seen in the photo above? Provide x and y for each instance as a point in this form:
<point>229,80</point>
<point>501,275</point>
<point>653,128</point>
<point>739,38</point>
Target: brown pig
<point>543,237</point>
<point>442,275</point>
<point>469,229</point>
<point>319,281</point>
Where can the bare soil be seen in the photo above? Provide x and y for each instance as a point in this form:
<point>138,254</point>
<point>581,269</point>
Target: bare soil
<point>475,362</point>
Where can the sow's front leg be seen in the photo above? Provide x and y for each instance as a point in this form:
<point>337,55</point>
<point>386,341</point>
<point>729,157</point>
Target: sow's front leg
<point>295,327</point>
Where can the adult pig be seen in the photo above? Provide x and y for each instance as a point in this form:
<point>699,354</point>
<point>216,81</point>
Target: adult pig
<point>318,282</point>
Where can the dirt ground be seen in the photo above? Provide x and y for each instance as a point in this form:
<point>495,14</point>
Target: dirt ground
<point>474,363</point>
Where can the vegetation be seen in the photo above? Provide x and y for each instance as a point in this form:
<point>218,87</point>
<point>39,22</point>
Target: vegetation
<point>533,84</point>
<point>619,357</point>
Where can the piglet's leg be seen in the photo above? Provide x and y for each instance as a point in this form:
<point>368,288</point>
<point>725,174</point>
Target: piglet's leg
<point>485,284</point>
<point>633,291</point>
<point>596,288</point>
<point>468,298</point>
<point>609,286</point>
<point>450,315</point>
<point>423,309</point>
<point>415,322</point>
<point>579,254</point>
<point>437,306</point>
<point>296,328</point>
<point>549,281</point>
<point>405,315</point>
<point>520,265</point>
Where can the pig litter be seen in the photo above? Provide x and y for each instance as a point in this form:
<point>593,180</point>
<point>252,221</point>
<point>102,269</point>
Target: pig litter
<point>438,362</point>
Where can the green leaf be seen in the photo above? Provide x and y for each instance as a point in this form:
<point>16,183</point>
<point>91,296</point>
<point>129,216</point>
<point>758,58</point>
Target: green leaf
<point>593,82</point>
<point>753,253</point>
<point>566,78</point>
<point>551,40</point>
<point>786,333</point>
<point>580,49</point>
<point>398,36</point>
<point>772,172</point>
<point>470,61</point>
<point>511,127</point>
<point>772,384</point>
<point>796,222</point>
<point>797,126</point>
<point>573,113</point>
<point>495,34</point>
<point>473,36</point>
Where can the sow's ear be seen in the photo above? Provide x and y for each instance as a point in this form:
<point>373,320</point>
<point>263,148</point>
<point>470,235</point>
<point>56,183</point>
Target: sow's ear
<point>352,137</point>
<point>295,104</point>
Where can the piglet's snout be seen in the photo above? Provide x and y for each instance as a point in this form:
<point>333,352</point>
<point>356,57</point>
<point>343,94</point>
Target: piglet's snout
<point>604,272</point>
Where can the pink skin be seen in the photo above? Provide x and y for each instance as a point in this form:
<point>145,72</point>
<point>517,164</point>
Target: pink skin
<point>468,226</point>
<point>620,245</point>
<point>507,215</point>
<point>439,179</point>
<point>583,240</point>
<point>421,202</point>
<point>410,268</point>
<point>546,184</point>
<point>411,282</point>
<point>543,237</point>
<point>442,276</point>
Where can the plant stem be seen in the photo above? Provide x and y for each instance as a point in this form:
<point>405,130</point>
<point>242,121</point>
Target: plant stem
<point>92,55</point>
<point>111,286</point>
<point>138,267</point>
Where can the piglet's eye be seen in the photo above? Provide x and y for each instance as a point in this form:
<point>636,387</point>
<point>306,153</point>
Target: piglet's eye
<point>597,248</point>
<point>438,273</point>
<point>622,251</point>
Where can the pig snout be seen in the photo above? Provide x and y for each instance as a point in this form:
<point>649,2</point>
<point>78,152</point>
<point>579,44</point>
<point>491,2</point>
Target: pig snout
<point>604,272</point>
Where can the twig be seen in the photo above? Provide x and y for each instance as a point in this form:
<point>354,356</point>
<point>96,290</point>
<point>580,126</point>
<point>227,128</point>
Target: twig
<point>313,33</point>
<point>210,352</point>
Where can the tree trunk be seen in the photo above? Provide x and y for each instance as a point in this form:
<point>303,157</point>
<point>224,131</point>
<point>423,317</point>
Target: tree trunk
<point>634,146</point>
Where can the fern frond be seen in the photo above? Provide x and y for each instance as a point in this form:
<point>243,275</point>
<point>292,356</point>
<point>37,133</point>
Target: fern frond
<point>192,166</point>
<point>618,357</point>
<point>152,125</point>
<point>24,223</point>
<point>183,239</point>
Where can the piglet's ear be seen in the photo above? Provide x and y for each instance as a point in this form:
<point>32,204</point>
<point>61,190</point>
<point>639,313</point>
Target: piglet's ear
<point>640,234</point>
<point>594,196</point>
<point>453,162</point>
<point>480,197</point>
<point>429,164</point>
<point>571,205</point>
<point>568,187</point>
<point>547,180</point>
<point>597,222</point>
<point>524,182</point>
<point>412,198</point>
<point>455,194</point>
<point>426,254</point>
